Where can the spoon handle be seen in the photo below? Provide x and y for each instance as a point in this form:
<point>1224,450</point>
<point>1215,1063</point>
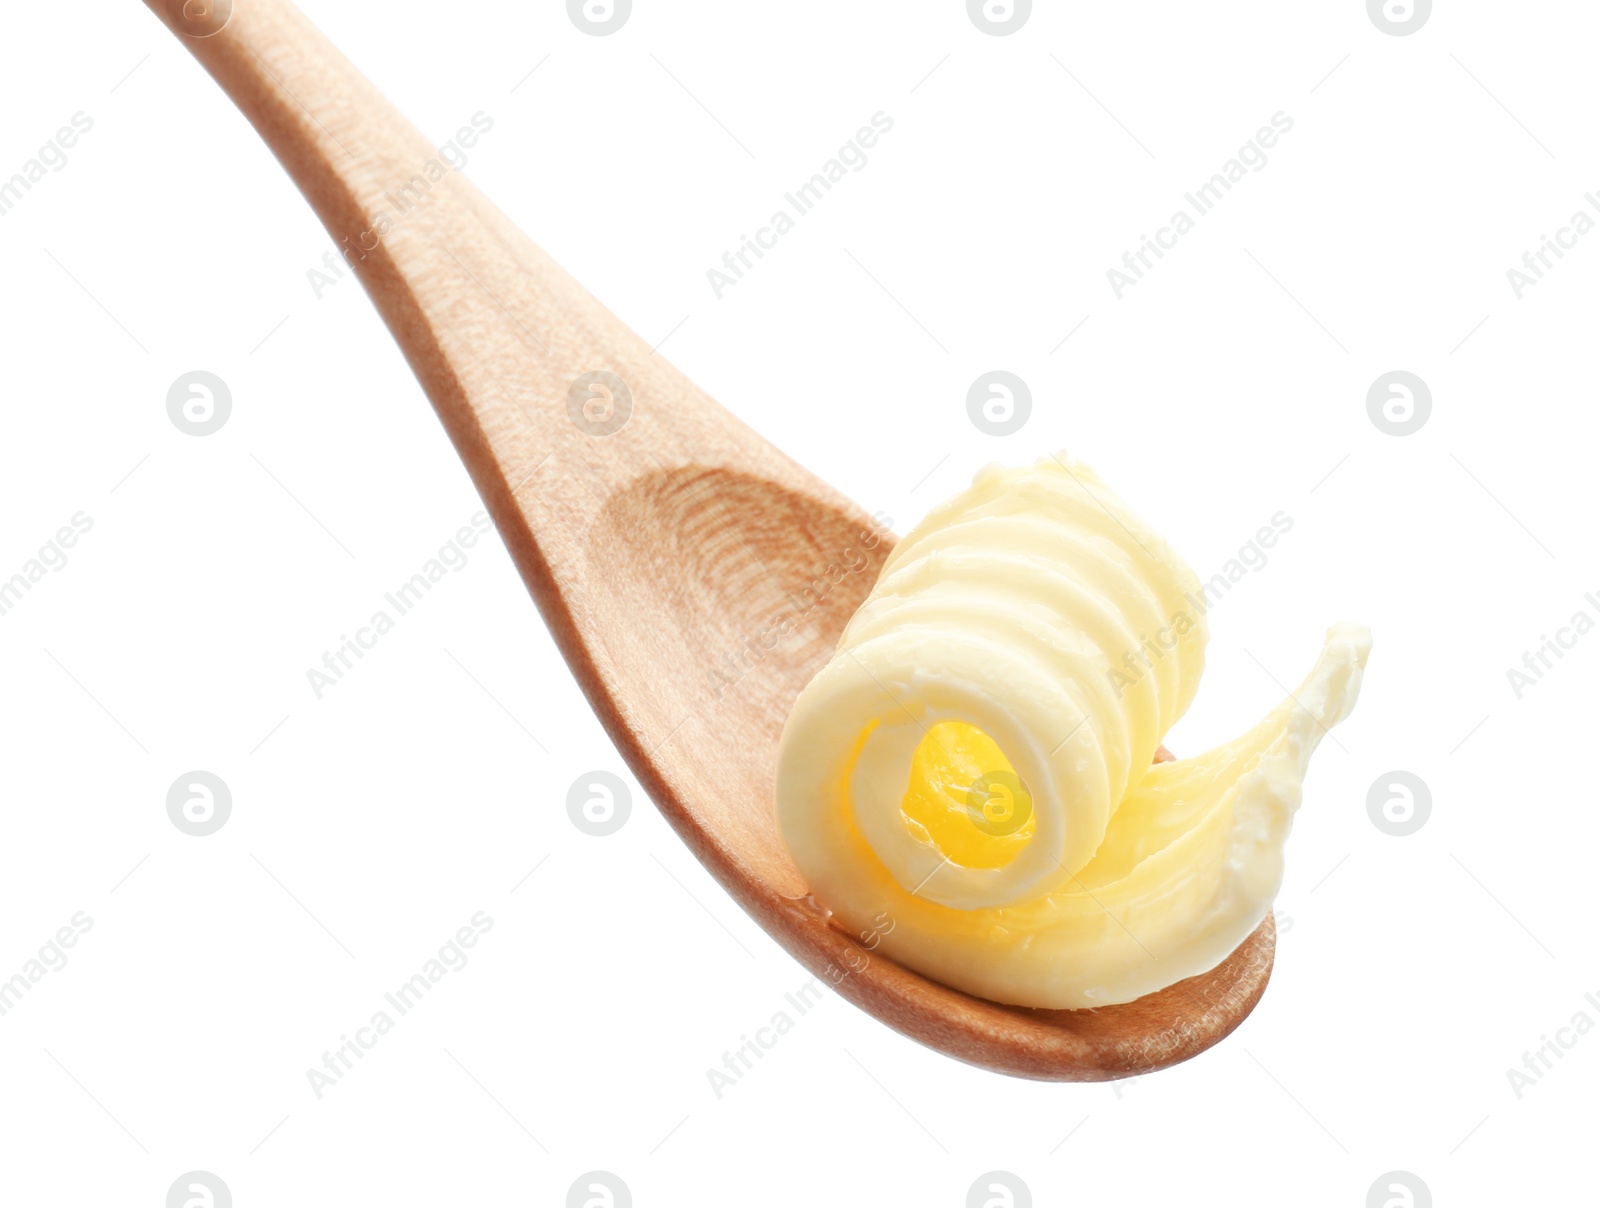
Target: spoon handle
<point>528,372</point>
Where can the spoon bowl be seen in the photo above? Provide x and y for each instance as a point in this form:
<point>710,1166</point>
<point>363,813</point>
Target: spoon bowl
<point>694,578</point>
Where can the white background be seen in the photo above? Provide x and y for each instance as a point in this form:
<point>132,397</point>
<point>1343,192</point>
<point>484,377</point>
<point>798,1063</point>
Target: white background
<point>369,825</point>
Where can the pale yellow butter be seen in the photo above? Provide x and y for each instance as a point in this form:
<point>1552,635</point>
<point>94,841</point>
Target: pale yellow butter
<point>975,760</point>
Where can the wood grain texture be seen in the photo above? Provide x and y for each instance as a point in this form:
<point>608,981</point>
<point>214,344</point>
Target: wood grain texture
<point>664,556</point>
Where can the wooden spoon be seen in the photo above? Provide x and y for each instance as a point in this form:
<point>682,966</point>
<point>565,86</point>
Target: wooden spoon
<point>665,554</point>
